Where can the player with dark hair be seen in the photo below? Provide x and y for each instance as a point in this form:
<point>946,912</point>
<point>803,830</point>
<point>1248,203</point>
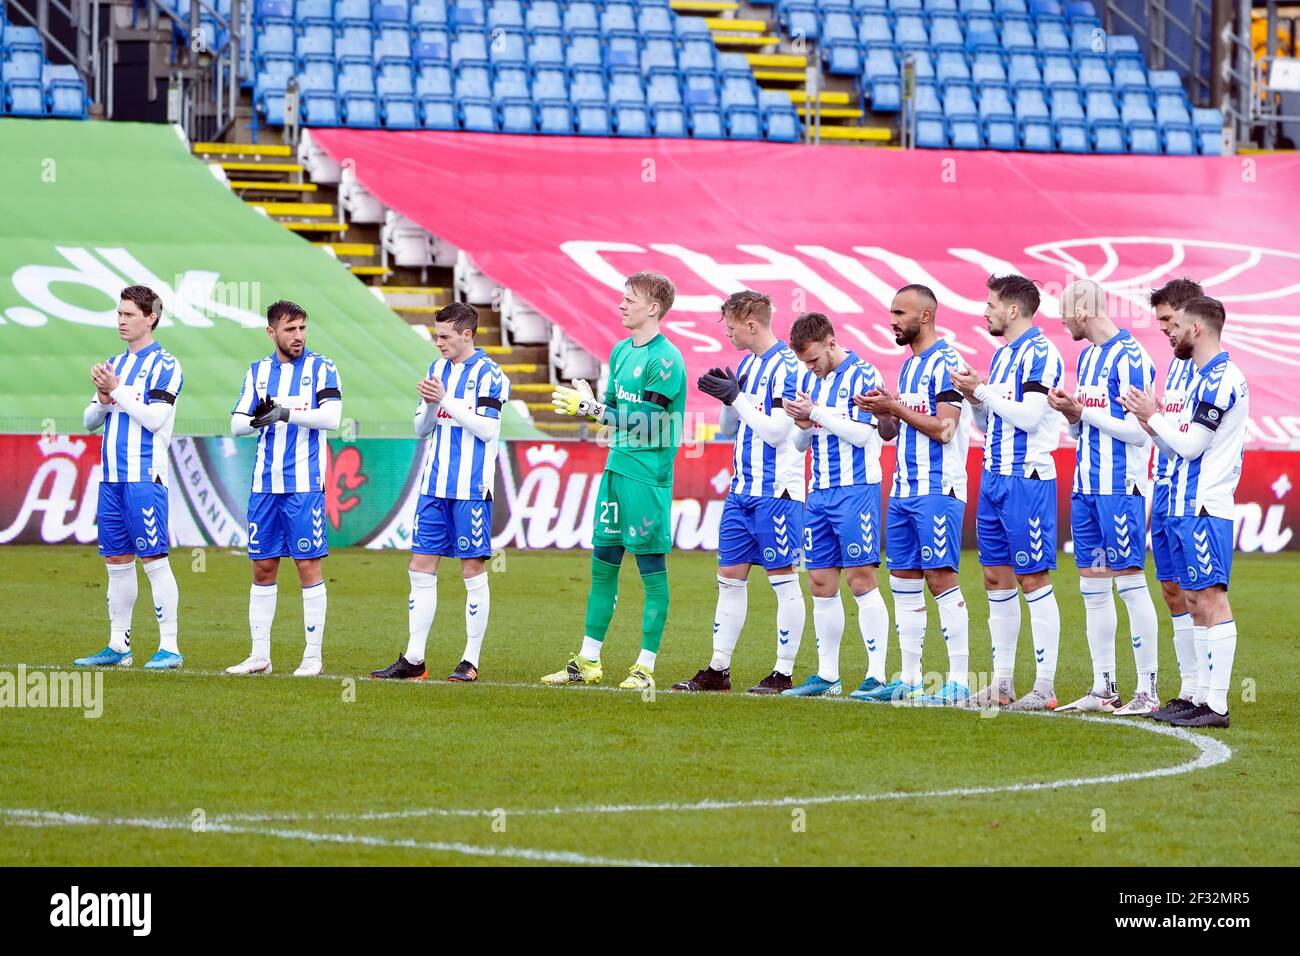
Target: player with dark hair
<point>1209,442</point>
<point>459,417</point>
<point>135,401</point>
<point>290,400</point>
<point>1166,301</point>
<point>645,402</point>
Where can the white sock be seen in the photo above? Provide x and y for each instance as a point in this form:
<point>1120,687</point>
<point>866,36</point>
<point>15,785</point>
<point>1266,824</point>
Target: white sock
<point>828,627</point>
<point>166,598</point>
<point>791,615</point>
<point>1045,628</point>
<point>909,621</point>
<point>646,659</point>
<point>477,604</point>
<point>1100,622</point>
<point>1004,629</point>
<point>733,602</point>
<point>122,590</point>
<point>1201,637</point>
<point>421,606</point>
<point>1185,651</point>
<point>873,620</point>
<point>1220,649</point>
<point>954,618</point>
<point>1143,627</point>
<point>590,648</point>
<point>261,613</point>
<point>313,619</point>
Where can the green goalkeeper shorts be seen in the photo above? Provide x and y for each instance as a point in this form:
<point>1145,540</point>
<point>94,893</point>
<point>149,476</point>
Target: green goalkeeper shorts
<point>633,515</point>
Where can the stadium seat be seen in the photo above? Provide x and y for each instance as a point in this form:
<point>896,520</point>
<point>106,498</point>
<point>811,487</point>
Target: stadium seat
<point>506,47</point>
<point>1122,46</point>
<point>583,50</point>
<point>587,86</point>
<point>951,66</point>
<point>987,67</point>
<point>668,120</point>
<point>469,46</point>
<point>738,91</point>
<point>543,16</point>
<point>391,11</point>
<point>654,21</point>
<point>945,31</point>
<point>545,48</point>
<point>1050,36</point>
<point>274,36</point>
<point>550,83</point>
<point>1016,34</point>
<point>931,130</point>
<point>304,10</point>
<point>1143,138</point>
<point>631,119</point>
<point>319,108</point>
<point>1058,71</point>
<point>263,10</point>
<point>1178,140</point>
<point>316,73</point>
<point>998,117</point>
<point>624,51</point>
<point>516,116</point>
<point>351,10</point>
<point>662,89</point>
<point>1208,124</point>
<point>433,79</point>
<point>1164,80</point>
<point>1019,7</point>
<point>1022,70</point>
<point>706,122</point>
<point>472,81</point>
<point>476,115</point>
<point>744,122</point>
<point>315,39</point>
<point>1094,73</point>
<point>1034,120</point>
<point>431,43</point>
<point>780,121</point>
<point>555,117</point>
<point>359,109</point>
<point>696,55</point>
<point>962,115</point>
<point>875,28</point>
<point>625,87</point>
<point>24,97</point>
<point>700,89</point>
<point>842,58</point>
<point>886,96</point>
<point>395,77</point>
<point>618,18</point>
<point>466,13</point>
<point>1087,36</point>
<point>1068,122</point>
<point>399,112</point>
<point>510,83</point>
<point>65,93</point>
<point>1130,74</point>
<point>591,119</point>
<point>581,18</point>
<point>392,41</point>
<point>880,64</point>
<point>982,33</point>
<point>838,27</point>
<point>909,31</point>
<point>437,112</point>
<point>355,39</point>
<point>505,14</point>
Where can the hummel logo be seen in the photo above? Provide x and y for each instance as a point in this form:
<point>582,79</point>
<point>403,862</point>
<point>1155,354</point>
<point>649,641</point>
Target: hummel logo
<point>1137,641</point>
<point>473,609</point>
<point>783,635</point>
<point>410,605</point>
<point>311,628</point>
<point>716,625</point>
<point>1039,654</point>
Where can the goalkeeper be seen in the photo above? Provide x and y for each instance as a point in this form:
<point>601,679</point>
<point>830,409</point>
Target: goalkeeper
<point>643,404</point>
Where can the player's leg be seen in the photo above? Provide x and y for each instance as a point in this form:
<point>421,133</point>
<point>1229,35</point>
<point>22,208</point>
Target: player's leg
<point>1032,533</point>
<point>778,528</point>
<point>943,520</point>
<point>647,534</point>
<point>1162,550</point>
<point>606,560</point>
<point>303,514</point>
<point>117,549</point>
<point>266,545</point>
<point>472,524</point>
<point>907,585</point>
<point>737,551</point>
<point>1097,588</point>
<point>430,540</point>
<point>1207,542</point>
<point>149,504</point>
<point>822,558</point>
<point>993,542</point>
<point>1126,538</point>
<point>861,563</point>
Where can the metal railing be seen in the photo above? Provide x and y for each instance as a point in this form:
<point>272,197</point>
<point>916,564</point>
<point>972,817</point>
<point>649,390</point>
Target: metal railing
<point>1161,26</point>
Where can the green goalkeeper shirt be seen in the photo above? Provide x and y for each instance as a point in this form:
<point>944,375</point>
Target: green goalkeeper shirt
<point>646,396</point>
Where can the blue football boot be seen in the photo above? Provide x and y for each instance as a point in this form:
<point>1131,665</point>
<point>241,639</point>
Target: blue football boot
<point>814,685</point>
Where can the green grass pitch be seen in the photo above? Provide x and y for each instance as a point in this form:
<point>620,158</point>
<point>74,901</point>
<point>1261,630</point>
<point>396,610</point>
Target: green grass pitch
<point>198,768</point>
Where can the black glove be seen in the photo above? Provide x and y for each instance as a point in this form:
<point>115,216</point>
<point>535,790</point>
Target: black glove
<point>722,386</point>
<point>276,413</point>
<point>262,407</point>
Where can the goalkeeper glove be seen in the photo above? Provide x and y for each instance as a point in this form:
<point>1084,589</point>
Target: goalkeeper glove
<point>577,401</point>
<point>269,413</point>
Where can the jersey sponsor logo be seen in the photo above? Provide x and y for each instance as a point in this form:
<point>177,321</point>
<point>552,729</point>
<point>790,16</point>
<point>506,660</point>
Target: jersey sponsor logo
<point>625,396</point>
<point>1094,401</point>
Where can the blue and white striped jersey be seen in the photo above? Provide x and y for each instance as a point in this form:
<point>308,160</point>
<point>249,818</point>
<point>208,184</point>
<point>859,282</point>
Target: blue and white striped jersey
<point>1220,401</point>
<point>762,470</point>
<point>1030,362</point>
<point>288,456</point>
<point>130,452</point>
<point>1178,382</point>
<point>837,463</point>
<point>457,463</point>
<point>925,466</point>
<point>1105,465</point>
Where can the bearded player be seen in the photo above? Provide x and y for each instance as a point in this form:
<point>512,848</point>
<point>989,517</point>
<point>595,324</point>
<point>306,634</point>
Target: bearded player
<point>644,405</point>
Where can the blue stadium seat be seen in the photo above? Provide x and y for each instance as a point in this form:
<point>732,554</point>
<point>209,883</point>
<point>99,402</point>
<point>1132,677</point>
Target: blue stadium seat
<point>592,119</point>
<point>744,122</point>
<point>655,21</point>
<point>998,117</point>
<point>931,130</point>
<point>662,89</point>
<point>583,49</point>
<point>586,85</point>
<point>1059,71</point>
<point>1165,80</point>
<point>545,49</point>
<point>305,10</point>
<point>1087,36</point>
<point>1050,36</point>
<point>886,96</point>
<point>875,28</point>
<point>399,112</point>
<point>543,15</point>
<point>1130,75</point>
<point>982,32</point>
<point>354,75</point>
<point>315,39</point>
<point>1103,122</point>
<point>550,83</point>
<point>618,18</point>
<point>395,11</point>
<point>688,28</point>
<point>506,48</point>
<point>838,27</point>
<point>668,120</point>
<point>472,82</point>
<point>909,30</point>
<point>469,46</point>
<point>631,119</point>
<point>510,83</point>
<point>1019,7</point>
<point>1034,120</point>
<point>975,6</point>
<point>555,116</point>
<point>940,6</point>
<point>319,108</point>
<point>924,63</point>
<point>429,12</point>
<point>1143,138</point>
<point>959,109</point>
<point>431,43</point>
<point>987,67</point>
<point>581,18</point>
<point>842,58</point>
<point>507,14</point>
<point>1208,124</point>
<point>476,115</point>
<point>274,36</point>
<point>945,31</point>
<point>24,97</point>
<point>1068,120</point>
<point>625,87</point>
<point>351,10</point>
<point>706,122</point>
<point>359,109</point>
<point>1178,140</point>
<point>1016,34</point>
<point>437,112</point>
<point>880,64</point>
<point>1045,8</point>
<point>467,13</point>
<point>951,66</point>
<point>799,20</point>
<point>1122,46</point>
<point>433,79</point>
<point>1076,9</point>
<point>624,51</point>
<point>1135,107</point>
<point>1094,73</point>
<point>355,39</point>
<point>1022,69</point>
<point>1171,108</point>
<point>780,120</point>
<point>316,72</point>
<point>516,116</point>
<point>700,89</point>
<point>263,10</point>
<point>392,41</point>
<point>905,6</point>
<point>269,104</point>
<point>696,55</point>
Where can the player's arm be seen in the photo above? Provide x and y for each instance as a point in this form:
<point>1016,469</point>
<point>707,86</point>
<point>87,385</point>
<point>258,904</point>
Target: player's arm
<point>1206,419</point>
<point>481,416</point>
<point>728,423</point>
<point>886,425</point>
<point>941,426</point>
<point>159,405</point>
<point>803,438</point>
<point>1118,422</point>
<point>1026,414</point>
<point>426,413</point>
<point>773,428</point>
<point>94,414</point>
<point>248,405</point>
<point>854,432</point>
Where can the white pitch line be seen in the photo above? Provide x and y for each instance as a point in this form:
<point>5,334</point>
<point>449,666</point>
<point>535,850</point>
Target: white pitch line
<point>48,818</point>
<point>1210,753</point>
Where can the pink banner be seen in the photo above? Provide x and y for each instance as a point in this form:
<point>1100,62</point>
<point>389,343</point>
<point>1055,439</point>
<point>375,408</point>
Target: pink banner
<point>561,221</point>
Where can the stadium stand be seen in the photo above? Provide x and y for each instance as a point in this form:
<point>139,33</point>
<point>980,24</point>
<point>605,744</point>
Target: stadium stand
<point>29,84</point>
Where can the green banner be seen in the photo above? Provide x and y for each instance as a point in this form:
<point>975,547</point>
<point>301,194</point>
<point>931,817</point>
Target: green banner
<point>92,207</point>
